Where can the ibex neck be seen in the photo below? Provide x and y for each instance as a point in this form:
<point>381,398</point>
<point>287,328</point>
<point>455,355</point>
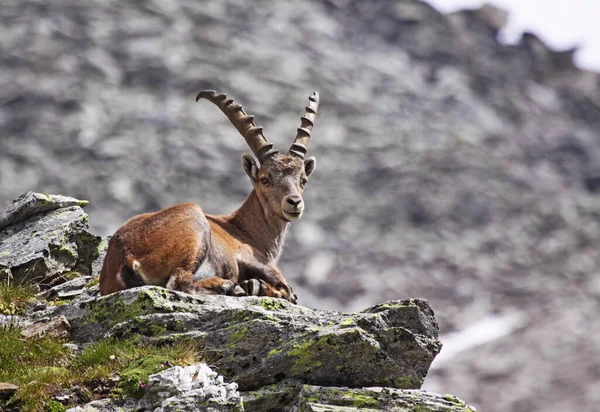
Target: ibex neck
<point>266,232</point>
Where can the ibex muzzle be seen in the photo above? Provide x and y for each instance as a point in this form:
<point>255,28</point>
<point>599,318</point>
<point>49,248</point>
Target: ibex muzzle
<point>184,249</point>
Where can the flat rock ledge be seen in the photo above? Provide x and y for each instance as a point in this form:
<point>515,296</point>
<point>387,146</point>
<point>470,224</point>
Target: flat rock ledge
<point>258,341</point>
<point>308,398</point>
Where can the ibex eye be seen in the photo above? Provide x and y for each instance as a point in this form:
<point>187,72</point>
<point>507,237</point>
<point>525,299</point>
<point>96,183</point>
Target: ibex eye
<point>303,182</point>
<point>264,181</point>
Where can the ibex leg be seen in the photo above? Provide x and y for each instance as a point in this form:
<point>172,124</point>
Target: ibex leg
<point>276,286</point>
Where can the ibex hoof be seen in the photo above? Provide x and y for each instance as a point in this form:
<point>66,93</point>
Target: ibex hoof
<point>254,287</point>
<point>238,291</point>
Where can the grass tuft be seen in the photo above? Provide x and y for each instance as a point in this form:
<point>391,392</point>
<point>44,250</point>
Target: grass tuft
<point>14,296</point>
<point>44,367</point>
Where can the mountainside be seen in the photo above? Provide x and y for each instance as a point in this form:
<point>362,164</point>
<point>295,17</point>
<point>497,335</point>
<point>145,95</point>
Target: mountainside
<point>450,167</point>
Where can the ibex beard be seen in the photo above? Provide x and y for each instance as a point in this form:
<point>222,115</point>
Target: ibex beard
<point>183,249</point>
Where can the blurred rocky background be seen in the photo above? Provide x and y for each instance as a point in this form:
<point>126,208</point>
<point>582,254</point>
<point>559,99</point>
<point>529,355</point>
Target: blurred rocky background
<point>450,167</point>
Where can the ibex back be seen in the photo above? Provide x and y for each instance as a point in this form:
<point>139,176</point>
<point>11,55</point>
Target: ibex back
<point>182,248</point>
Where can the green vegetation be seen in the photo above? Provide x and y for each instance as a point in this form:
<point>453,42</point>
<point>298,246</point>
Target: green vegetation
<point>272,304</point>
<point>55,406</point>
<point>93,282</point>
<point>14,296</point>
<point>42,367</point>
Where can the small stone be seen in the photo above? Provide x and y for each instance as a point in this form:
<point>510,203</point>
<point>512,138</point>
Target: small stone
<point>69,289</point>
<point>7,390</point>
<point>73,347</point>
<point>58,327</point>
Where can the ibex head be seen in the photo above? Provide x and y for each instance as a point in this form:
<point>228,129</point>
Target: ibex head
<point>279,180</point>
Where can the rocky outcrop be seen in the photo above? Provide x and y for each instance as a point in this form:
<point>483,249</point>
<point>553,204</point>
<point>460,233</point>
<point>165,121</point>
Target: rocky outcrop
<point>283,357</point>
<point>261,341</point>
<point>45,239</point>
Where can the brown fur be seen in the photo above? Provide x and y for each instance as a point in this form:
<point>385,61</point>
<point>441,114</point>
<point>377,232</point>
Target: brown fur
<point>165,248</point>
<point>183,249</point>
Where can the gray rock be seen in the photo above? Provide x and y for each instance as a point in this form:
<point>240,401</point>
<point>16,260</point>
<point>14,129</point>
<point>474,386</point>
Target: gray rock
<point>58,327</point>
<point>40,312</point>
<point>289,396</point>
<point>31,204</point>
<point>69,289</point>
<point>190,388</point>
<point>106,405</point>
<point>97,264</point>
<point>260,341</point>
<point>12,321</point>
<point>48,246</point>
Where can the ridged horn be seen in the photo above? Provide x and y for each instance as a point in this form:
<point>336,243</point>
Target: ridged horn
<point>243,122</point>
<point>300,144</point>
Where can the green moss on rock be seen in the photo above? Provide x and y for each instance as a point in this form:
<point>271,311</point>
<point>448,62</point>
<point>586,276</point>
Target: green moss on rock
<point>272,303</point>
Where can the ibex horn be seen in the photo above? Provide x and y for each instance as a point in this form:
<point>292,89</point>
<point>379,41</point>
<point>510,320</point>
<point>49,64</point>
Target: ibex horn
<point>243,122</point>
<point>300,144</point>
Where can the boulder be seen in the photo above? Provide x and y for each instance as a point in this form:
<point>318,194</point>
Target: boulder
<point>45,238</point>
<point>257,341</point>
<point>289,396</point>
<point>30,204</point>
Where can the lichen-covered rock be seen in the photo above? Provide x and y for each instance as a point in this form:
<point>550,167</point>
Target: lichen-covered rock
<point>44,237</point>
<point>261,341</point>
<point>31,204</point>
<point>290,396</point>
<point>190,388</point>
<point>97,264</point>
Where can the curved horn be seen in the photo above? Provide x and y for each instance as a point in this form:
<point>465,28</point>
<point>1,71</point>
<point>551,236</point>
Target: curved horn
<point>243,122</point>
<point>300,144</point>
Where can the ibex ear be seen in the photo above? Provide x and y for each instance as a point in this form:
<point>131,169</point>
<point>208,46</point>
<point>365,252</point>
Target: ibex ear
<point>249,166</point>
<point>309,165</point>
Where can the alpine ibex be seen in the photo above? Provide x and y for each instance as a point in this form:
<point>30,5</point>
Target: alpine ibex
<point>183,249</point>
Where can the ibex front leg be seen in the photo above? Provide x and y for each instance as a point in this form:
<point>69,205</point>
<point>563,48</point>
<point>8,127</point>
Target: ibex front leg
<point>182,280</point>
<point>271,281</point>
